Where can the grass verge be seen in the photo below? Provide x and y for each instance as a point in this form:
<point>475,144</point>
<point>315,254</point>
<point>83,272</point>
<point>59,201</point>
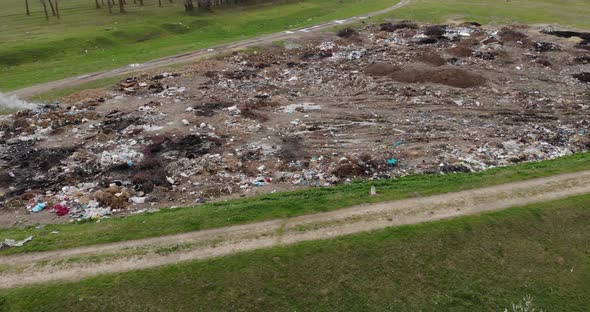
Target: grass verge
<point>280,205</point>
<point>85,39</point>
<point>572,13</point>
<point>537,253</point>
<point>59,93</point>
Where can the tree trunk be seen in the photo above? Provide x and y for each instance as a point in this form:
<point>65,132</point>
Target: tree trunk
<point>27,6</point>
<point>160,3</point>
<point>52,8</point>
<point>97,5</point>
<point>141,2</point>
<point>188,5</point>
<point>45,8</point>
<point>122,6</point>
<point>56,8</point>
<point>110,6</point>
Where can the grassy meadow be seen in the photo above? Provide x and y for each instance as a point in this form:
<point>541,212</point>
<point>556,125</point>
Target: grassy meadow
<point>537,254</point>
<point>34,50</point>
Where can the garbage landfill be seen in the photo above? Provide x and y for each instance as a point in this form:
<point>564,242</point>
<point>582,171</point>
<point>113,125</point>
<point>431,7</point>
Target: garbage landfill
<point>377,102</point>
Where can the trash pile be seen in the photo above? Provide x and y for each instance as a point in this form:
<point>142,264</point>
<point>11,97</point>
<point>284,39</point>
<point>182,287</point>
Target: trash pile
<point>377,102</point>
<point>10,243</point>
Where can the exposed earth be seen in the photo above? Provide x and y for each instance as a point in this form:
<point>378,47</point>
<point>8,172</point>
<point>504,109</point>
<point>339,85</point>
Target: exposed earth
<point>380,102</point>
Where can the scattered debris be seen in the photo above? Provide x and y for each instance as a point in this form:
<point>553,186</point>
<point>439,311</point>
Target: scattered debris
<point>373,191</point>
<point>8,243</point>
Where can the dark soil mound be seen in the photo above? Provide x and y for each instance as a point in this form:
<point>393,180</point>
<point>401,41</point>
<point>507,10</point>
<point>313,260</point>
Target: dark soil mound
<point>190,146</point>
<point>435,31</point>
<point>347,33</point>
<point>568,34</point>
<point>381,69</point>
<point>446,75</point>
<point>427,41</point>
<point>431,57</point>
<point>401,25</point>
<point>460,51</point>
<point>511,35</point>
<point>583,77</point>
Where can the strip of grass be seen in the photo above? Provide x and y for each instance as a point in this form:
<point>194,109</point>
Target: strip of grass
<point>85,40</point>
<point>59,93</point>
<point>476,263</point>
<point>280,205</point>
<point>572,13</point>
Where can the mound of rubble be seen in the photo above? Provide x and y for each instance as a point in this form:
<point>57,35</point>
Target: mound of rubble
<point>378,102</point>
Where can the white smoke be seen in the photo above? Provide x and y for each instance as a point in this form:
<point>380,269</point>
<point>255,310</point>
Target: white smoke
<point>13,102</point>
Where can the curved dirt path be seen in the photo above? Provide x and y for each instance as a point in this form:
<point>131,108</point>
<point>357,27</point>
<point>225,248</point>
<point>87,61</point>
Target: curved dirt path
<point>77,263</point>
<point>197,54</point>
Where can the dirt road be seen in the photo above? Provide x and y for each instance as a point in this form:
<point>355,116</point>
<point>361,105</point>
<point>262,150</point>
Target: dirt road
<point>77,263</point>
<point>198,54</point>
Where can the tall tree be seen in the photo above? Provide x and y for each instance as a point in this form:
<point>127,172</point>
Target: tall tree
<point>122,6</point>
<point>27,7</point>
<point>160,3</point>
<point>97,5</point>
<point>52,8</point>
<point>56,4</point>
<point>188,5</point>
<point>110,6</point>
<point>44,4</point>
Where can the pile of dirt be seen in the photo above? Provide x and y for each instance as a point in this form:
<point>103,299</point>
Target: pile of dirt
<point>190,146</point>
<point>209,109</point>
<point>414,73</point>
<point>431,57</point>
<point>445,75</point>
<point>583,77</point>
<point>389,27</point>
<point>435,31</point>
<point>381,69</point>
<point>347,33</point>
<point>568,34</point>
<point>461,50</point>
<point>511,35</point>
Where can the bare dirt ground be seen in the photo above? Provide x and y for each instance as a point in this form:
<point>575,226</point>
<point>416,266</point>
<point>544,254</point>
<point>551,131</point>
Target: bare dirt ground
<point>376,102</point>
<point>73,264</point>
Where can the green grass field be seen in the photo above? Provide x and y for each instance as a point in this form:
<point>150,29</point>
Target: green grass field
<point>477,263</point>
<point>33,50</point>
<point>280,205</point>
<point>573,13</point>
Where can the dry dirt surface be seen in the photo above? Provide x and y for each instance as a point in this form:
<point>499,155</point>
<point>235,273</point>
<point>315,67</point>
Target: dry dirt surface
<point>376,102</point>
<point>73,264</point>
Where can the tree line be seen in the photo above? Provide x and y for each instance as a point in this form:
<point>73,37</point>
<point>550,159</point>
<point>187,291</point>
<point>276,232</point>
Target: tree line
<point>53,5</point>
